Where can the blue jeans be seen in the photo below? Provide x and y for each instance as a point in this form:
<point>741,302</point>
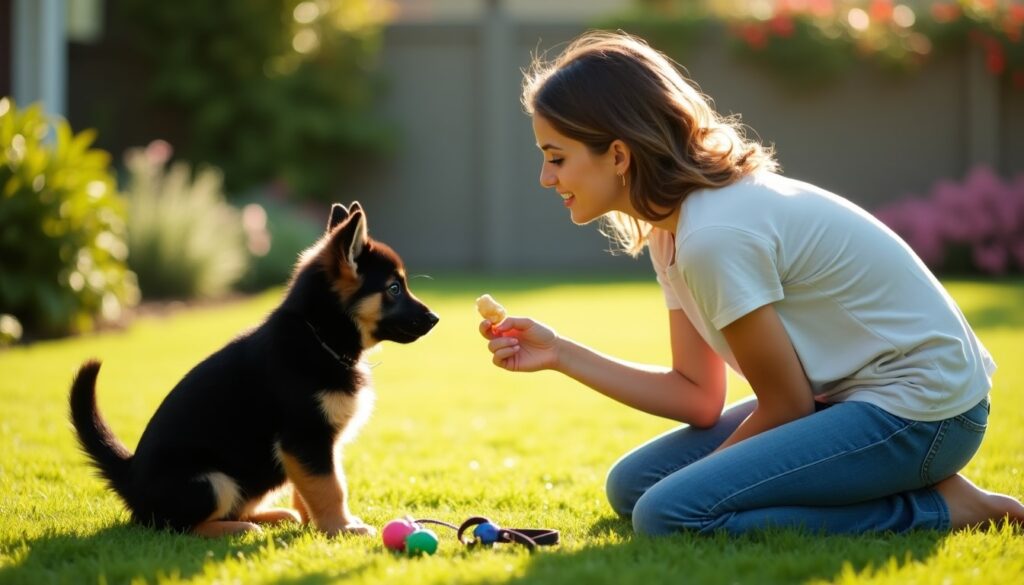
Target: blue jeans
<point>848,468</point>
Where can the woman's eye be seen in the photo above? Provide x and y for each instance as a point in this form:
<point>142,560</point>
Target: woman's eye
<point>556,161</point>
<point>394,289</point>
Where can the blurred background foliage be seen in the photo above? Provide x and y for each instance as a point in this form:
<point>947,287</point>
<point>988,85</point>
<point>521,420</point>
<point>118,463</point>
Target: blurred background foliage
<point>186,241</point>
<point>811,42</point>
<point>62,248</point>
<point>270,90</point>
<point>273,103</point>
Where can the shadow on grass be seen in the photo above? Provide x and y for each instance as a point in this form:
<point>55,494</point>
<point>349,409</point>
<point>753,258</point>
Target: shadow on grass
<point>128,553</point>
<point>772,556</point>
<point>1003,314</point>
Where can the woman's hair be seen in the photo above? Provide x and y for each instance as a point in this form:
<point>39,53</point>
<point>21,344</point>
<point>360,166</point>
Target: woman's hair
<point>608,86</point>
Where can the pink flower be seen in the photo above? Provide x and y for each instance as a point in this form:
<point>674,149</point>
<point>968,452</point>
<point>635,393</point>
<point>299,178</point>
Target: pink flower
<point>983,212</point>
<point>945,11</point>
<point>754,35</point>
<point>821,8</point>
<point>782,25</point>
<point>916,222</point>
<point>995,60</point>
<point>880,10</point>
<point>159,152</point>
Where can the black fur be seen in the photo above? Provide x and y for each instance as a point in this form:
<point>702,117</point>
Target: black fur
<point>261,395</point>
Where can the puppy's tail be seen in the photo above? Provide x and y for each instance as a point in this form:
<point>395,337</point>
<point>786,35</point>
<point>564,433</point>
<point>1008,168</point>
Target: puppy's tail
<point>108,454</point>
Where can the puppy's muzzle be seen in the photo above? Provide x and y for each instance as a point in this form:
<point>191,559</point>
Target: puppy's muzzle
<point>425,322</point>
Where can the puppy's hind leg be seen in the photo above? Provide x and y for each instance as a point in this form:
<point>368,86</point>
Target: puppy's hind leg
<point>218,528</point>
<point>227,496</point>
<point>258,510</point>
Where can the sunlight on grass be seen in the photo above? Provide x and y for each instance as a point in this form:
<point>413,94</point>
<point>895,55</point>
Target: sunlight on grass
<point>452,437</point>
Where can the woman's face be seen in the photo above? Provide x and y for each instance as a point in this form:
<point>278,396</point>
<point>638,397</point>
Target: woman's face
<point>588,183</point>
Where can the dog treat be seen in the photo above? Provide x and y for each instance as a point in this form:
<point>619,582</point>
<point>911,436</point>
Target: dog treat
<point>490,309</point>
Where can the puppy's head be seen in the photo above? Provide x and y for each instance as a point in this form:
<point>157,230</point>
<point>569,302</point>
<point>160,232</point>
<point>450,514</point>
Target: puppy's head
<point>370,281</point>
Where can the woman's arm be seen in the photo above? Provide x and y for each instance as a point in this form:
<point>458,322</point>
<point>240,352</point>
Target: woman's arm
<point>766,356</point>
<point>692,390</point>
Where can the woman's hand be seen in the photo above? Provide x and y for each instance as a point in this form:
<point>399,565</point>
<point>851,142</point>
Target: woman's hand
<point>520,344</point>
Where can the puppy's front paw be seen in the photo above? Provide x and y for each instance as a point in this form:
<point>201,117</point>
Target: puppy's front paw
<point>351,526</point>
<point>358,527</point>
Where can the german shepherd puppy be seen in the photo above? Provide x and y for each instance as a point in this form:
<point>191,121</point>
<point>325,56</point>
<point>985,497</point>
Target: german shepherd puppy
<point>273,406</point>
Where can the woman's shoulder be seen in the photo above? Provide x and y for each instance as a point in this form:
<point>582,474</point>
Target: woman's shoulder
<point>660,245</point>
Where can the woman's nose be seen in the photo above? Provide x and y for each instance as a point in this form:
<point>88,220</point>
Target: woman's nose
<point>547,179</point>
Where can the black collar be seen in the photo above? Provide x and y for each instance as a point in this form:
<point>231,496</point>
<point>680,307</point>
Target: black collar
<point>343,360</point>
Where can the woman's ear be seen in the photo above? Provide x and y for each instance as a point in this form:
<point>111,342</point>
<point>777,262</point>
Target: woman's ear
<point>621,156</point>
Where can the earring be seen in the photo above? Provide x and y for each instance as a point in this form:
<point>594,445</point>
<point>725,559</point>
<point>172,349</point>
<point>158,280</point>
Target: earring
<point>623,177</point>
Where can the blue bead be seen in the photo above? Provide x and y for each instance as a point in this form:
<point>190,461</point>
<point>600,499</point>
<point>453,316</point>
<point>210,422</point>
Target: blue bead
<point>487,533</point>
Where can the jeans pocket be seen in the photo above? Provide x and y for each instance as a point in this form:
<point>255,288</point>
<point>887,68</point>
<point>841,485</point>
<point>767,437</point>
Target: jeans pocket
<point>956,441</point>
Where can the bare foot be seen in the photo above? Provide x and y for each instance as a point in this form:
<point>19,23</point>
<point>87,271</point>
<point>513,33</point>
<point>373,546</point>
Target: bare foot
<point>971,506</point>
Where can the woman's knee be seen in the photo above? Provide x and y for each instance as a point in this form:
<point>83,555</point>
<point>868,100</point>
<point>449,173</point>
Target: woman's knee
<point>627,481</point>
<point>653,515</point>
<point>672,505</point>
<point>622,487</point>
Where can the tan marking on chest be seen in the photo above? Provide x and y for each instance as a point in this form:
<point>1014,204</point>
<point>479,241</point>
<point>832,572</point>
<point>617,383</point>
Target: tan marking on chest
<point>346,412</point>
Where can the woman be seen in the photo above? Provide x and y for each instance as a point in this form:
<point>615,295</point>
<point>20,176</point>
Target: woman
<point>870,389</point>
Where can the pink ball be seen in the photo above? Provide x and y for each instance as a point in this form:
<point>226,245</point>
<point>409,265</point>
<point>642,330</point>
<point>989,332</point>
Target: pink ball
<point>394,533</point>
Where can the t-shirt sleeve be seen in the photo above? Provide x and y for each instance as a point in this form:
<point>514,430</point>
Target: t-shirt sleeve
<point>660,248</point>
<point>729,272</point>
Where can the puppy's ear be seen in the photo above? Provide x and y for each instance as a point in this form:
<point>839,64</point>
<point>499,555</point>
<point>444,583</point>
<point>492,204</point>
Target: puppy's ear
<point>338,214</point>
<point>355,206</point>
<point>351,238</point>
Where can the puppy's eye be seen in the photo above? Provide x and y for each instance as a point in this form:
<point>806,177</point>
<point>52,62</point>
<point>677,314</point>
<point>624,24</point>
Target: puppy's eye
<point>394,289</point>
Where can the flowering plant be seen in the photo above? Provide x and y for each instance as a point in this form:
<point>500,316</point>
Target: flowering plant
<point>974,226</point>
<point>808,41</point>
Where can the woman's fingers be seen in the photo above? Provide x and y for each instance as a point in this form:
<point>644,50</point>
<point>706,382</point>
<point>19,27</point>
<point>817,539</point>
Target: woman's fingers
<point>487,330</point>
<point>508,345</point>
<point>510,323</point>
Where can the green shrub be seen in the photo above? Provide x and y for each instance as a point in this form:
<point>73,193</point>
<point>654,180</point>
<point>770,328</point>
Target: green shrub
<point>62,249</point>
<point>186,241</point>
<point>270,90</point>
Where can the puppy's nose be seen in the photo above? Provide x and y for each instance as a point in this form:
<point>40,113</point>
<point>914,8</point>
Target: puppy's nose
<point>425,322</point>
<point>432,319</point>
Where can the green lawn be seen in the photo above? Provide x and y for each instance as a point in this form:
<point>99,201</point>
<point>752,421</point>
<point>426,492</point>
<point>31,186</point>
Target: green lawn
<point>452,437</point>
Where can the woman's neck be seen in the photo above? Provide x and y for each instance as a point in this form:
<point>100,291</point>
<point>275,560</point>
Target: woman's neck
<point>669,223</point>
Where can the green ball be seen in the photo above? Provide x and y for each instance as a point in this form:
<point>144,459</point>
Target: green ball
<point>421,541</point>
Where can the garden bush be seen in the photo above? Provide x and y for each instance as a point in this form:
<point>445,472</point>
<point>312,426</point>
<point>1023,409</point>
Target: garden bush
<point>975,226</point>
<point>62,250</point>
<point>270,90</point>
<point>186,241</point>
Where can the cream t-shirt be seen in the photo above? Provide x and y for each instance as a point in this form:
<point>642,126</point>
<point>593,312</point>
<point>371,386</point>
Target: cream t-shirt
<point>868,320</point>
